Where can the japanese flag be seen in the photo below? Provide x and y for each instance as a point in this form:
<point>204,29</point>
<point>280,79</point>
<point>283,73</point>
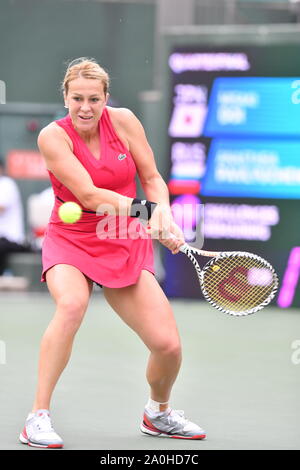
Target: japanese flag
<point>188,120</point>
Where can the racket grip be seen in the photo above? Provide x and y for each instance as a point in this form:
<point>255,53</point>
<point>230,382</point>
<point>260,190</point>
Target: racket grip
<point>183,248</point>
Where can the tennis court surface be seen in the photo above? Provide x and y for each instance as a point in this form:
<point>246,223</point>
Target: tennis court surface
<point>240,377</point>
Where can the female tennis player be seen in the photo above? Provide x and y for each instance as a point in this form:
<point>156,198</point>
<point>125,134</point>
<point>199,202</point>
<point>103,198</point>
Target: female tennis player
<point>92,156</point>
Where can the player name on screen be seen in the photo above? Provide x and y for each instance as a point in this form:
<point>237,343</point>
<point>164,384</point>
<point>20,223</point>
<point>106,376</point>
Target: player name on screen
<point>254,106</point>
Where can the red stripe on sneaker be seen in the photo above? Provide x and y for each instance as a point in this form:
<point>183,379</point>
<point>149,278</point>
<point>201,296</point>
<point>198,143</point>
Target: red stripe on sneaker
<point>149,425</point>
<point>197,436</point>
<point>45,446</point>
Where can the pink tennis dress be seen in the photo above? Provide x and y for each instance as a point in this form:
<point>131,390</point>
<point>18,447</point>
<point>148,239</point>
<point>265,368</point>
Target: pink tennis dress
<point>110,250</point>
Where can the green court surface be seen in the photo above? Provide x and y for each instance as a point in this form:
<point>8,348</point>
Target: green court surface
<point>240,377</point>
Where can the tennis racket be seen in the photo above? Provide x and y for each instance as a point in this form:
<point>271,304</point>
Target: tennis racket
<point>234,282</point>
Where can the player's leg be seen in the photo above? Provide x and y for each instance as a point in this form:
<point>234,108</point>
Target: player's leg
<point>71,291</point>
<point>145,308</point>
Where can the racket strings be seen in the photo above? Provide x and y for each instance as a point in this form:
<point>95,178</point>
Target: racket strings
<point>238,283</point>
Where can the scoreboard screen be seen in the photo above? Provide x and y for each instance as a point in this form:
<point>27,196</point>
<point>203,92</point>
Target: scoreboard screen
<point>234,158</point>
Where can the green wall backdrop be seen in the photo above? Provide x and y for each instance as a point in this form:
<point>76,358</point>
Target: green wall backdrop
<point>37,37</point>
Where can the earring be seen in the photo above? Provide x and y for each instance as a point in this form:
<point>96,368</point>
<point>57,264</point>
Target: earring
<point>66,107</point>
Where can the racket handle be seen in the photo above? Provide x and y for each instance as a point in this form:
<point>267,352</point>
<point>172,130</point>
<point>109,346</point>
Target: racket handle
<point>184,248</point>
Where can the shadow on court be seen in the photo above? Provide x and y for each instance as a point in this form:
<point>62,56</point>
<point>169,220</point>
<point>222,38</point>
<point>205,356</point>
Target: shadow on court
<point>239,378</point>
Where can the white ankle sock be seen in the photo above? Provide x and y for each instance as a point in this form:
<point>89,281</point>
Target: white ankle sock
<point>154,405</point>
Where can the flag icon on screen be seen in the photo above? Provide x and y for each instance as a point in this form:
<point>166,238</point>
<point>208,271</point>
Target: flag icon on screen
<point>188,120</point>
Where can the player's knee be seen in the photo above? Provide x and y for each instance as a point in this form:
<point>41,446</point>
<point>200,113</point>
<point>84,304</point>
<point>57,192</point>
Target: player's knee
<point>170,348</point>
<point>71,310</point>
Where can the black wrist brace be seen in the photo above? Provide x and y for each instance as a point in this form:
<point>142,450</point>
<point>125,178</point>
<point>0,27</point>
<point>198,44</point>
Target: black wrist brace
<point>142,208</point>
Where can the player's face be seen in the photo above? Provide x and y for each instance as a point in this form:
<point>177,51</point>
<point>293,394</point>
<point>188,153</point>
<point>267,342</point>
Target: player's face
<point>86,100</point>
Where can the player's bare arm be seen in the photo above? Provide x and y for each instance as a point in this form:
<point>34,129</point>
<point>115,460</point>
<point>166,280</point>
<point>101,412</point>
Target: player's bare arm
<point>128,124</point>
<point>130,128</point>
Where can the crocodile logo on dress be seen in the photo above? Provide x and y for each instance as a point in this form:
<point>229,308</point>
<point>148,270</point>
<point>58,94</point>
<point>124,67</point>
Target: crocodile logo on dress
<point>122,156</point>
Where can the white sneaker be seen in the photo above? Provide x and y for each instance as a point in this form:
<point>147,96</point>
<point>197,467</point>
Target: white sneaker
<point>170,423</point>
<point>38,431</point>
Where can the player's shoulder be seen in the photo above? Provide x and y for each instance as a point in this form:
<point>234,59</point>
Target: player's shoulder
<point>51,131</point>
<point>122,116</point>
<point>126,120</point>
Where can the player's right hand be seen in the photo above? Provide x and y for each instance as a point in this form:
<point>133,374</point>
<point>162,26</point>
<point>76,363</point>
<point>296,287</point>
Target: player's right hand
<point>159,224</point>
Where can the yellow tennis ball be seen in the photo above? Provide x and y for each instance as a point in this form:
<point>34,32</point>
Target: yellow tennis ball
<point>69,212</point>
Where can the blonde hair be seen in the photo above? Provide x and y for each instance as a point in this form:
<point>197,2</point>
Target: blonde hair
<point>86,68</point>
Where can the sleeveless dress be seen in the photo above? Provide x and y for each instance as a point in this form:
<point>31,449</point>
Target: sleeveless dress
<point>110,250</point>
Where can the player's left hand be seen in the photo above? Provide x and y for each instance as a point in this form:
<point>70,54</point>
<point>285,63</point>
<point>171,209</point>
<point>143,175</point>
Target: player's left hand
<point>174,240</point>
